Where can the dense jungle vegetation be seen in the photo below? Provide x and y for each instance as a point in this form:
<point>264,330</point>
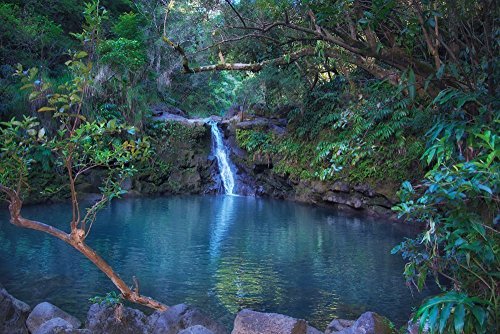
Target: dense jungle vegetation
<point>378,91</point>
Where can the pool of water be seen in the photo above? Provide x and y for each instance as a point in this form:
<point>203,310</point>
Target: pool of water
<point>220,253</point>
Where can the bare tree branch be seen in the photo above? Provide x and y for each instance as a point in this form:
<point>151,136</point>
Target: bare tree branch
<point>236,12</point>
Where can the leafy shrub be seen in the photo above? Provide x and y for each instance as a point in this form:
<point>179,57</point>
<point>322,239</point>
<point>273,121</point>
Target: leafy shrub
<point>458,202</point>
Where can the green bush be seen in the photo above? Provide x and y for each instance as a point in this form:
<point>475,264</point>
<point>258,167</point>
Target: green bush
<point>458,202</point>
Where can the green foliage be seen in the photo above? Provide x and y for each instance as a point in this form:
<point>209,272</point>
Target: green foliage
<point>255,141</point>
<point>273,88</point>
<point>453,312</point>
<point>29,37</point>
<point>94,17</point>
<point>110,299</point>
<point>459,206</point>
<point>373,136</point>
<point>21,143</point>
<point>128,26</point>
<point>343,122</point>
<point>127,52</point>
<point>122,54</point>
<point>78,145</point>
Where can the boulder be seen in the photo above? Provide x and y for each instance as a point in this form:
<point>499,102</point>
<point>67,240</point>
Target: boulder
<point>372,323</point>
<point>13,314</point>
<point>59,326</point>
<point>252,322</point>
<point>43,312</point>
<point>198,329</point>
<point>118,319</point>
<point>338,325</point>
<point>367,323</point>
<point>53,326</point>
<point>180,317</point>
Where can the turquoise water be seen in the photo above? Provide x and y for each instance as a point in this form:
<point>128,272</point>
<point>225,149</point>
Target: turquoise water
<point>221,253</point>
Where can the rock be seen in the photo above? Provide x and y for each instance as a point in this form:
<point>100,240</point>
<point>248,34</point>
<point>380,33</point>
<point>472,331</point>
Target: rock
<point>372,323</point>
<point>365,189</point>
<point>338,325</point>
<point>414,327</point>
<point>176,115</point>
<point>189,180</point>
<point>252,322</point>
<point>319,187</point>
<point>126,184</point>
<point>54,325</point>
<point>43,312</point>
<point>180,317</point>
<point>13,314</point>
<point>59,326</point>
<point>367,323</point>
<point>341,187</point>
<point>253,124</point>
<point>312,330</point>
<point>278,126</point>
<point>162,108</point>
<point>198,329</point>
<point>343,198</point>
<point>105,319</point>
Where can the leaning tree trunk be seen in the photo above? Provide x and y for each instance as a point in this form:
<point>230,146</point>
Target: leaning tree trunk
<point>76,240</point>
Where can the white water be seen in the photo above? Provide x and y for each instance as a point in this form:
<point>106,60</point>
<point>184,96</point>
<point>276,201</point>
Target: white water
<point>226,174</point>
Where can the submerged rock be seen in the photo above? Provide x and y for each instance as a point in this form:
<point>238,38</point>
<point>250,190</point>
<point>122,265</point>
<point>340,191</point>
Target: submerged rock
<point>13,314</point>
<point>252,322</point>
<point>105,319</point>
<point>180,317</point>
<point>367,323</point>
<point>44,312</point>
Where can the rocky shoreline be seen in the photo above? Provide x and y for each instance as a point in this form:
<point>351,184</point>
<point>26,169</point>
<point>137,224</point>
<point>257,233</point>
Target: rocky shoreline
<point>17,317</point>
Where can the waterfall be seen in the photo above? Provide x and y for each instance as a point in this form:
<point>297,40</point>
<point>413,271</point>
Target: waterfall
<point>226,174</point>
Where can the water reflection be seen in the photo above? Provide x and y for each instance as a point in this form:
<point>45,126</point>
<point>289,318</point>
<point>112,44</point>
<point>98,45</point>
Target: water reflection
<point>221,253</point>
<point>223,217</point>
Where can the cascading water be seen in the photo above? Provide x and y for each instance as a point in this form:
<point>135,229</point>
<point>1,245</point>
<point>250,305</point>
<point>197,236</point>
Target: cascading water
<point>226,174</point>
